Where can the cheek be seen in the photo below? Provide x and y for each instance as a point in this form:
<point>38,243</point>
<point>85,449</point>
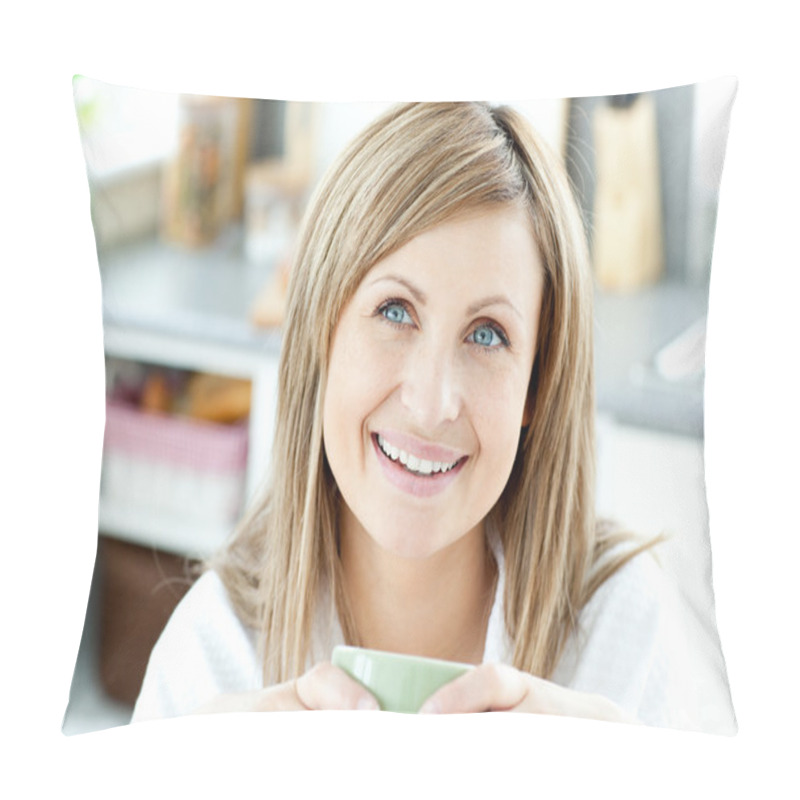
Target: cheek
<point>358,375</point>
<point>497,415</point>
<point>359,378</point>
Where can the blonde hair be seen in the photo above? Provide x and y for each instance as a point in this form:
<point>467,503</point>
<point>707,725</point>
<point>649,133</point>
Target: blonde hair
<point>413,168</point>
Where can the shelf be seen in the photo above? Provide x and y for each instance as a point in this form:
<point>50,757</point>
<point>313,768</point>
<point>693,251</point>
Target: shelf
<point>189,309</point>
<point>161,531</point>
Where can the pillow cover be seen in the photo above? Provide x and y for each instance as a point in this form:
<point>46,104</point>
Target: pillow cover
<point>195,205</point>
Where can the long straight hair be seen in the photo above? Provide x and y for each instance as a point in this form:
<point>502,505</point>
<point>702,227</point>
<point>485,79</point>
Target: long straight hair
<point>415,167</point>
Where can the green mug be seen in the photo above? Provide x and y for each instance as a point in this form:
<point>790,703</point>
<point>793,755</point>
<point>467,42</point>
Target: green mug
<point>399,682</point>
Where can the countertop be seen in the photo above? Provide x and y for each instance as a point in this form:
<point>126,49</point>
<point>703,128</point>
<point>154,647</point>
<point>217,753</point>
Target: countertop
<point>204,294</point>
<point>630,329</point>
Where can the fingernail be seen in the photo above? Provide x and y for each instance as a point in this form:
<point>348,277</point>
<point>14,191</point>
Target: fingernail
<point>367,703</point>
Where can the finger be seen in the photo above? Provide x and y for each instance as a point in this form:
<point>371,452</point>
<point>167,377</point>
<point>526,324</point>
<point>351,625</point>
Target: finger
<point>546,697</point>
<point>488,687</point>
<point>280,697</point>
<point>328,687</point>
<point>508,689</point>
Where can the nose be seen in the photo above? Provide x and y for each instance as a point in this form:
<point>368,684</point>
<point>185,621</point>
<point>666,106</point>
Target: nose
<point>431,390</point>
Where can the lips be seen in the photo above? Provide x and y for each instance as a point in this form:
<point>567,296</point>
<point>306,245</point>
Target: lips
<point>418,468</point>
<point>413,463</point>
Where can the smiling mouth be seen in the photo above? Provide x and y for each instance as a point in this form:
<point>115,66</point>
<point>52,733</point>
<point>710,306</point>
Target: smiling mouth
<point>421,467</point>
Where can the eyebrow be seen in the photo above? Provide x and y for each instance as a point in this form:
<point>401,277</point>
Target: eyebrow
<point>419,296</point>
<point>494,300</point>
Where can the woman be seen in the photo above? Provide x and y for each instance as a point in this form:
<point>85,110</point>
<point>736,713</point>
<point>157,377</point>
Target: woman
<point>432,479</point>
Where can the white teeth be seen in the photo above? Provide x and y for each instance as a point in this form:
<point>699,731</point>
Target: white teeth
<point>411,462</point>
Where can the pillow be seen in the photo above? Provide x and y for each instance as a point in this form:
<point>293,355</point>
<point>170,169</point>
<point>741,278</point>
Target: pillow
<point>195,205</point>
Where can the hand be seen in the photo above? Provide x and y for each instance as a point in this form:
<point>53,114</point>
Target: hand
<point>498,687</point>
<point>322,687</point>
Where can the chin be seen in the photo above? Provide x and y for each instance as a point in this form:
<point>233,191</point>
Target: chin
<point>415,546</point>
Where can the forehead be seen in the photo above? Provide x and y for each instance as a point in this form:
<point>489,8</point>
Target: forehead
<point>482,249</point>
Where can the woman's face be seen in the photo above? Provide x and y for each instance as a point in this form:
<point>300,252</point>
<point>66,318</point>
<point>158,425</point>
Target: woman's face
<point>428,378</point>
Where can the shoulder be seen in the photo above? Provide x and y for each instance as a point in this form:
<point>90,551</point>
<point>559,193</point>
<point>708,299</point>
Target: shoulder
<point>639,644</point>
<point>618,648</point>
<point>204,616</point>
<point>623,620</point>
<point>206,596</point>
<point>634,593</point>
<point>204,650</point>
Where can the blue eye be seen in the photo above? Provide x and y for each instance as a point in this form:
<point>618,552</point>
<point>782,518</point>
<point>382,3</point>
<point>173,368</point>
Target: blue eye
<point>395,313</point>
<point>487,336</point>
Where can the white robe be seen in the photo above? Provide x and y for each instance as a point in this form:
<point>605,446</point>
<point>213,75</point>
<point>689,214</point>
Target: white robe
<point>632,645</point>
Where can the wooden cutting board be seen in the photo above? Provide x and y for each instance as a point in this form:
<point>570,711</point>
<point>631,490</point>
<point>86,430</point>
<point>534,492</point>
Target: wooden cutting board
<point>627,239</point>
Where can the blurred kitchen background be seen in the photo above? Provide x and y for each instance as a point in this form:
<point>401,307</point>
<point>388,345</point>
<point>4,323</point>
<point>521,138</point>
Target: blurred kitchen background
<point>195,203</point>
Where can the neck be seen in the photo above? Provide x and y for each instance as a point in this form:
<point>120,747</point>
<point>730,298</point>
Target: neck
<point>437,606</point>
